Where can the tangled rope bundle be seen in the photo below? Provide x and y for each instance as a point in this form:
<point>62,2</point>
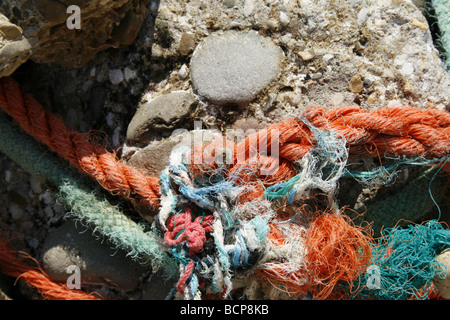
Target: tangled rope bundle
<point>224,221</point>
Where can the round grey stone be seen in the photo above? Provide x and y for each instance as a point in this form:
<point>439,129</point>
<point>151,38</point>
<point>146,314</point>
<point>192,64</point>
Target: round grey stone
<point>234,66</point>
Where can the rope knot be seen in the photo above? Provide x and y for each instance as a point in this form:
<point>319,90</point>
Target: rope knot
<point>182,228</point>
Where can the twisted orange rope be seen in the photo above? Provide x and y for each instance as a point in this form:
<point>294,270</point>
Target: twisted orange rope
<point>76,148</point>
<point>395,131</point>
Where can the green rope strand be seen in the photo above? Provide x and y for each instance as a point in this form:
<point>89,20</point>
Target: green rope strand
<point>87,204</point>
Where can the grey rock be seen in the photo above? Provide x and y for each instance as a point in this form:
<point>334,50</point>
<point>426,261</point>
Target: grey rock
<point>165,112</point>
<point>229,3</point>
<point>233,66</point>
<point>99,262</point>
<point>443,285</point>
<point>115,76</point>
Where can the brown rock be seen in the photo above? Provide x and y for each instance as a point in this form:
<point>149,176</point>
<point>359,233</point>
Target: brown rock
<point>356,84</point>
<point>306,55</point>
<point>164,113</point>
<point>153,158</point>
<point>187,44</point>
<point>15,49</point>
<point>8,30</point>
<point>104,24</point>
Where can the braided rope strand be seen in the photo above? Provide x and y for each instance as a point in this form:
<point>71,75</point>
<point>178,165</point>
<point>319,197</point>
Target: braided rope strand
<point>75,147</point>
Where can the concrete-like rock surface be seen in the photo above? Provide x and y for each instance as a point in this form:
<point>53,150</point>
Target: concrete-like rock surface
<point>103,25</point>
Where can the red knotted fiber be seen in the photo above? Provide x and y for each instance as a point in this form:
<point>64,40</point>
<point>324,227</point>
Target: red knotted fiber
<point>181,228</point>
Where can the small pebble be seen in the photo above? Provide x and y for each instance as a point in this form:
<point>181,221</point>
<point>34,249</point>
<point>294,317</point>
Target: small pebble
<point>86,85</point>
<point>183,72</point>
<point>35,185</point>
<point>115,76</point>
<point>407,69</point>
<point>327,57</point>
<point>419,24</point>
<point>129,74</point>
<point>306,55</point>
<point>284,19</point>
<point>15,211</point>
<point>315,76</point>
<point>7,176</point>
<point>229,3</point>
<point>356,84</point>
<point>187,44</point>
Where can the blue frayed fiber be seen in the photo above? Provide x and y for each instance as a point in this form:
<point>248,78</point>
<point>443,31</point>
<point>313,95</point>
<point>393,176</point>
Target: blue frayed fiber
<point>405,263</point>
<point>239,253</point>
<point>204,196</point>
<point>442,11</point>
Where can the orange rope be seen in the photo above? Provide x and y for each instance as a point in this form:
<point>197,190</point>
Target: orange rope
<point>397,131</point>
<point>394,132</point>
<point>75,147</point>
<point>15,266</point>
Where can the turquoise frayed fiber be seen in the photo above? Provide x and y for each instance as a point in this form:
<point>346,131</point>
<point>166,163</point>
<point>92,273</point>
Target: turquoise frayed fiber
<point>385,174</point>
<point>261,228</point>
<point>442,11</point>
<point>405,260</point>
